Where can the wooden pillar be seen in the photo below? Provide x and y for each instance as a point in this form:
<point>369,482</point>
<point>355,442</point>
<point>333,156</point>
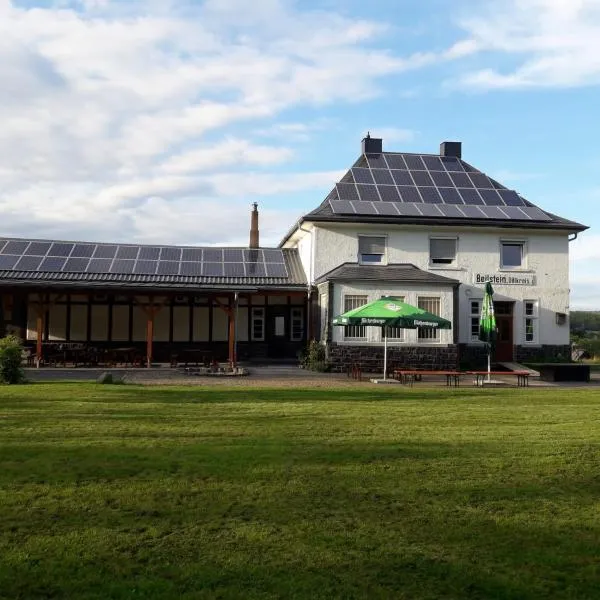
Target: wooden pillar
<point>149,337</point>
<point>232,357</point>
<point>40,335</point>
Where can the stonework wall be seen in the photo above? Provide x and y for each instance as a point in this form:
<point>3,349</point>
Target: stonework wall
<point>542,353</point>
<point>370,358</point>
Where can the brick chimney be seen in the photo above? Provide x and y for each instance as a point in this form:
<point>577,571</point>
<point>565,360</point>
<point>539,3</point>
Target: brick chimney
<point>254,236</point>
<point>451,149</point>
<point>372,145</point>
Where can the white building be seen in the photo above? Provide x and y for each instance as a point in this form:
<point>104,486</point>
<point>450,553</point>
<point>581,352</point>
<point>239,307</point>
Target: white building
<point>432,229</point>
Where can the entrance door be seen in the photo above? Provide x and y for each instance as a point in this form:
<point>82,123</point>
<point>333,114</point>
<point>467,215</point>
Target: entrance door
<point>277,328</point>
<point>504,325</point>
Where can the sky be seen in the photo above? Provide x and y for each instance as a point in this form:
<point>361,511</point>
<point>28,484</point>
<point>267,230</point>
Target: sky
<point>161,121</point>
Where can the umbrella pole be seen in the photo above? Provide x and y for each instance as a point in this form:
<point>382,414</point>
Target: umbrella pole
<point>384,353</point>
<point>489,377</point>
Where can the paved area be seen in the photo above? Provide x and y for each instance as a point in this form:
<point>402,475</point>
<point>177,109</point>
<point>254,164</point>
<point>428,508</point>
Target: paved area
<point>272,376</point>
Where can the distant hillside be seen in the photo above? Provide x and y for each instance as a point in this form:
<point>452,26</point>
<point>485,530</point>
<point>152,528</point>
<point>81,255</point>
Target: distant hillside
<point>585,320</point>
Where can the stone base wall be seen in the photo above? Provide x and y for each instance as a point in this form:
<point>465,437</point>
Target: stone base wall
<point>542,353</point>
<point>370,358</point>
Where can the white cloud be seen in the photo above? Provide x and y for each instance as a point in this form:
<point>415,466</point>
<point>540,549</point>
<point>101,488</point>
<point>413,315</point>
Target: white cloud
<point>393,135</point>
<point>552,43</point>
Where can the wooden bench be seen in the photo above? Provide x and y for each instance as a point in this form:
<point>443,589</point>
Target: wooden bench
<point>480,376</point>
<point>409,376</point>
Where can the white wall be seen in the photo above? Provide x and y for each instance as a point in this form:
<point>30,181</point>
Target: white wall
<point>410,293</point>
<point>478,252</point>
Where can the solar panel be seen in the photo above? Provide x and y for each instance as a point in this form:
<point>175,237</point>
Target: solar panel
<point>15,247</point>
<point>376,161</point>
<point>396,161</point>
<point>8,261</point>
<point>493,212</point>
<point>511,198</point>
<point>469,168</point>
<point>368,193</point>
<point>408,209</point>
<point>213,255</point>
<point>168,267</point>
<point>362,175</point>
<point>342,207</point>
<point>347,178</point>
<point>149,253</point>
<point>60,249</point>
<point>382,176</point>
<point>537,214</point>
<point>212,269</point>
<point>191,255</point>
<point>409,193</point>
<point>105,251</point>
<point>276,270</point>
<point>122,266</point>
<point>470,196</point>
<point>145,267</point>
<point>233,255</point>
<point>53,263</point>
<point>2,244</point>
<point>461,180</point>
<point>273,255</point>
<point>480,180</point>
<point>414,162</point>
<point>233,269</point>
<point>29,263</point>
<point>497,185</point>
<point>191,269</point>
<point>430,195</point>
<point>430,210</point>
<point>452,163</point>
<point>402,177</point>
<point>452,211</point>
<point>451,196</point>
<point>514,212</point>
<point>76,265</point>
<point>83,251</point>
<point>433,163</point>
<point>127,252</point>
<point>442,179</point>
<point>389,193</point>
<point>256,269</point>
<point>38,249</point>
<point>365,208</point>
<point>388,208</point>
<point>170,254</point>
<point>491,197</point>
<point>472,212</point>
<point>99,265</point>
<point>422,178</point>
<point>255,255</point>
<point>347,191</point>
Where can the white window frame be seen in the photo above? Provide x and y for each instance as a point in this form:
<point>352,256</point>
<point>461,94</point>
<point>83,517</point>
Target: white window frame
<point>523,265</point>
<point>297,320</point>
<point>534,317</point>
<point>429,335</point>
<point>442,265</point>
<point>395,334</point>
<point>258,316</point>
<point>351,330</point>
<point>474,317</point>
<point>383,260</point>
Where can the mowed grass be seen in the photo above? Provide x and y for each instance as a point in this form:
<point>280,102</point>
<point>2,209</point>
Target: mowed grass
<point>158,492</point>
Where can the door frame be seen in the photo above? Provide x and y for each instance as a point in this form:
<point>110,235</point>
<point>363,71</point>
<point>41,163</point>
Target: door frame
<point>505,311</point>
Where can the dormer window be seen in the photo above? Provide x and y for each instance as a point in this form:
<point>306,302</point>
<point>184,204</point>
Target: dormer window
<point>371,249</point>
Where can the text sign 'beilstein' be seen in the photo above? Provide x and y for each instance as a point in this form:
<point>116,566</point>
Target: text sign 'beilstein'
<point>504,279</point>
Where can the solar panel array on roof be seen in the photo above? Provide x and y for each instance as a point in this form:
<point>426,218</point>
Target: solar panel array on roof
<point>451,187</point>
<point>70,257</point>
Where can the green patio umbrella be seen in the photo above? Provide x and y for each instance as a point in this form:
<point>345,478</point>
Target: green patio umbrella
<point>391,312</point>
<point>487,323</point>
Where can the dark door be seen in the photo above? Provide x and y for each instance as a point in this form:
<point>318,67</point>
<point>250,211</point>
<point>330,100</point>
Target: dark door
<point>277,331</point>
<point>504,327</point>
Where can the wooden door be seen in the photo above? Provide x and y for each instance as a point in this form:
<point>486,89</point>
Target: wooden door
<point>504,329</point>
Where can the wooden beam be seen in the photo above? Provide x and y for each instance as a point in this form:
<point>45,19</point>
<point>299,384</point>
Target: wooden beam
<point>149,339</point>
<point>232,357</point>
<point>38,346</point>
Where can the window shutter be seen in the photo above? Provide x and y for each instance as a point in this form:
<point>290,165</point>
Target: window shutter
<point>371,245</point>
<point>440,248</point>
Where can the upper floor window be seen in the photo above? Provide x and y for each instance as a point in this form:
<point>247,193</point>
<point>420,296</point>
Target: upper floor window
<point>512,255</point>
<point>442,251</point>
<point>371,249</point>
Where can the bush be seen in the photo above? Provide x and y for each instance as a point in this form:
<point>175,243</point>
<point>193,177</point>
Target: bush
<point>11,356</point>
<point>314,358</point>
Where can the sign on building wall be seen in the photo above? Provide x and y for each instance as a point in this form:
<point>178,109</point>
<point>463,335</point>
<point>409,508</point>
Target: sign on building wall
<point>504,279</point>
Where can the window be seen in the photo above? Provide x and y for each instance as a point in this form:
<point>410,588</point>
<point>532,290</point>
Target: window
<point>395,333</point>
<point>297,332</point>
<point>323,299</point>
<point>431,305</point>
<point>442,251</point>
<point>354,331</point>
<point>531,320</point>
<point>258,324</point>
<point>512,255</point>
<point>371,249</point>
<point>474,315</point>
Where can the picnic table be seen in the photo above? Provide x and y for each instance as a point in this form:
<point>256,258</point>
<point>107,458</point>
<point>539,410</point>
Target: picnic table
<point>409,376</point>
<point>480,376</point>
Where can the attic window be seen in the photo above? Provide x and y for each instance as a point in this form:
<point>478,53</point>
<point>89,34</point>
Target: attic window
<point>371,249</point>
<point>442,251</point>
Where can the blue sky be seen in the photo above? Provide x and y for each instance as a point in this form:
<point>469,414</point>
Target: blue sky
<point>161,121</point>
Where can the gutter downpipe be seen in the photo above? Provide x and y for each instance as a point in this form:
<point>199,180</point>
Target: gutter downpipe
<point>572,239</point>
<point>309,316</point>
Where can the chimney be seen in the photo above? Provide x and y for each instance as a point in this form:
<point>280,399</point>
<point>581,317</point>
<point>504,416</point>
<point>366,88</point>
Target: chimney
<point>254,241</point>
<point>451,149</point>
<point>372,145</point>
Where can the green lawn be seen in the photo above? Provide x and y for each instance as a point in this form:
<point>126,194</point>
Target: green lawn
<point>157,492</point>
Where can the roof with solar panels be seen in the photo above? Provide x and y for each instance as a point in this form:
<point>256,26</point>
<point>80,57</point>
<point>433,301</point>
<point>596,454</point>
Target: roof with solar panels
<point>433,189</point>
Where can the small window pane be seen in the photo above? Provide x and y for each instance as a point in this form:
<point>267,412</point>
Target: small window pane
<point>512,255</point>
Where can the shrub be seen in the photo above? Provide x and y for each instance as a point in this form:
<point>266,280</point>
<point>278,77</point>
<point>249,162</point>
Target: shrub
<point>315,358</point>
<point>11,357</point>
